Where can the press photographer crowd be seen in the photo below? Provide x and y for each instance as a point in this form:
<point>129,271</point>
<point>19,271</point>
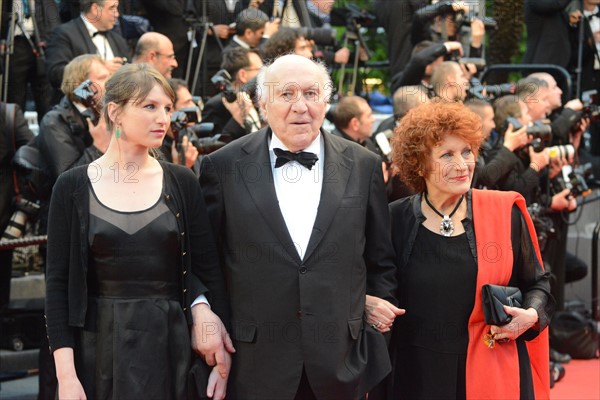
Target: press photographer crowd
<point>210,197</point>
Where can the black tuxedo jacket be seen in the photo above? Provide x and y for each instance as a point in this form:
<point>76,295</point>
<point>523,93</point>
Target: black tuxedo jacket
<point>72,39</point>
<point>290,313</point>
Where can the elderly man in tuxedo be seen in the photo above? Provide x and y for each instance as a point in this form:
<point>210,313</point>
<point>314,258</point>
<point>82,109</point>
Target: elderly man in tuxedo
<point>302,224</point>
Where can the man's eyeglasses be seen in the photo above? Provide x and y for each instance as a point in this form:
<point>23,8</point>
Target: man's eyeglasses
<point>171,56</point>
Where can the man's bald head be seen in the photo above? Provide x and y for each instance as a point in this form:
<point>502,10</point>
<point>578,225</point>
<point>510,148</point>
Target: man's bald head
<point>157,50</point>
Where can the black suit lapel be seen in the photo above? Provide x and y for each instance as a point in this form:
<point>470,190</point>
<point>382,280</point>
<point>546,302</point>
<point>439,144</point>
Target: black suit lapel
<point>336,172</point>
<point>85,35</point>
<point>254,168</point>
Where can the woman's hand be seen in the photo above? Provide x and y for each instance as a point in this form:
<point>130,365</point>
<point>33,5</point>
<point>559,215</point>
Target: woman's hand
<point>70,388</point>
<point>380,313</point>
<point>217,385</point>
<point>522,320</point>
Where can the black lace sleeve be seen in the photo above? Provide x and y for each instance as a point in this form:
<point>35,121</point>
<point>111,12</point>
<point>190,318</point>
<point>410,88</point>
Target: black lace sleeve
<point>529,276</point>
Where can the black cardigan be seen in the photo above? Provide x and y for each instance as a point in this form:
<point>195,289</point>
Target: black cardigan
<point>67,260</point>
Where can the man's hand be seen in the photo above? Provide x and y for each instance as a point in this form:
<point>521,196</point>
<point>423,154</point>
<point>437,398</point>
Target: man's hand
<point>560,201</point>
<point>578,132</point>
<point>222,31</point>
<point>271,27</point>
<point>380,313</point>
<point>240,108</point>
<point>454,46</point>
<point>539,160</point>
<point>556,164</point>
<point>460,6</point>
<point>99,134</point>
<point>211,340</point>
<point>190,153</point>
<point>574,104</point>
<point>342,56</point>
<point>515,139</point>
<point>574,17</point>
<point>477,32</point>
<point>114,64</point>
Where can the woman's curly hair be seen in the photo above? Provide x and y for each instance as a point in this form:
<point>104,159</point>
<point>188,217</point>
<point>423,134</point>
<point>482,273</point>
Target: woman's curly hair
<point>424,127</point>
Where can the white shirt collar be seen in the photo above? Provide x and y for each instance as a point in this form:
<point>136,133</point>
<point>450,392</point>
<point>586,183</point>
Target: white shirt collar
<point>88,25</point>
<point>240,42</point>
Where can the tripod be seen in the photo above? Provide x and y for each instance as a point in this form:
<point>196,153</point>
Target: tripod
<point>195,24</point>
<point>353,33</point>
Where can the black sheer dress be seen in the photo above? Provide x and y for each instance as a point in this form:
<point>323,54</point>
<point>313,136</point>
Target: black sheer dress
<point>135,343</point>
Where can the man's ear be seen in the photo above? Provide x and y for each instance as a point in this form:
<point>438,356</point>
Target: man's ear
<point>354,124</point>
<point>248,32</point>
<point>242,76</point>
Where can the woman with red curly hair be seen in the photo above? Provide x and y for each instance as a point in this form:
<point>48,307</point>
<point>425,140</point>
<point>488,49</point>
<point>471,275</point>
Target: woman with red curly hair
<point>450,240</point>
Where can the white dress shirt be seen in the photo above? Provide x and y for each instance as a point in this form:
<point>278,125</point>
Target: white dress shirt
<point>100,41</point>
<point>298,192</point>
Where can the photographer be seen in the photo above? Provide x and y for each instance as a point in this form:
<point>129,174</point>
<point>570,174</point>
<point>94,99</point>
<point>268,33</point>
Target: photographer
<point>184,153</point>
<point>497,157</point>
<point>425,56</point>
<point>250,29</point>
<point>232,111</point>
<point>450,82</point>
<point>66,135</point>
<point>442,21</point>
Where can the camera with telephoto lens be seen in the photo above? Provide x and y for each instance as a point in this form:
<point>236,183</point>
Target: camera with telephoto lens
<point>461,19</point>
<point>200,135</point>
<point>480,91</point>
<point>223,82</point>
<point>321,36</point>
<point>87,94</point>
<point>544,227</point>
<point>24,211</point>
<point>540,131</point>
<point>577,180</point>
<point>591,106</point>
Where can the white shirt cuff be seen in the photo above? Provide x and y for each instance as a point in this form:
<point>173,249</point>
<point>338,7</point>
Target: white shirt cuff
<point>199,300</point>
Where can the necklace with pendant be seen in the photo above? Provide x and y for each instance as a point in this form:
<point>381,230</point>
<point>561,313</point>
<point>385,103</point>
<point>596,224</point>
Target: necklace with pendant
<point>447,226</point>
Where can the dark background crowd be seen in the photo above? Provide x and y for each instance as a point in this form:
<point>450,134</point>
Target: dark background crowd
<point>541,118</point>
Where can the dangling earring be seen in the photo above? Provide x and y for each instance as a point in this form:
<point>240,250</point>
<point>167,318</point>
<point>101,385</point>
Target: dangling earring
<point>118,133</point>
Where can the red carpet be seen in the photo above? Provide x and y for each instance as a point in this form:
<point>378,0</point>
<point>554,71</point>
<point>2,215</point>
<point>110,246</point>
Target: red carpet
<point>581,381</point>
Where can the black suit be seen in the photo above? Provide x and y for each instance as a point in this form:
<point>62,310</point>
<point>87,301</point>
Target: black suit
<point>166,16</point>
<point>547,32</point>
<point>72,39</point>
<point>290,314</point>
<point>396,18</point>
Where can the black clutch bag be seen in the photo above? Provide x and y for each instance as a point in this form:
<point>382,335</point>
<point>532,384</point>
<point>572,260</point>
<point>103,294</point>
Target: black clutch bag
<point>494,298</point>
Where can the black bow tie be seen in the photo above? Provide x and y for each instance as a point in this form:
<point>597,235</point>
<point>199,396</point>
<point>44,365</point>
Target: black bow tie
<point>103,33</point>
<point>596,14</point>
<point>305,158</point>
